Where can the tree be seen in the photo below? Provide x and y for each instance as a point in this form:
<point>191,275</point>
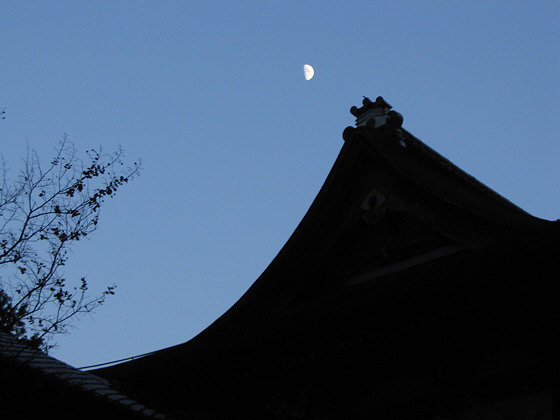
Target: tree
<point>43,211</point>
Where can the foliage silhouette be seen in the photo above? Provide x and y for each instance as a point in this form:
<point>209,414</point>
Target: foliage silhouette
<point>42,212</point>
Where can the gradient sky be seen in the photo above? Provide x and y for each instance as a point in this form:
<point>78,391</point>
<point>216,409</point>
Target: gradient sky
<point>235,143</point>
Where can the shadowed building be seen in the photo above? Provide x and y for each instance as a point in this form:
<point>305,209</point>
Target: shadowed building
<point>37,386</point>
<point>409,291</point>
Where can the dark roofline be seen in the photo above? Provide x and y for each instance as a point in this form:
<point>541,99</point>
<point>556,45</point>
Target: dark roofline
<point>437,175</point>
<point>447,165</point>
<point>91,385</point>
<point>396,147</point>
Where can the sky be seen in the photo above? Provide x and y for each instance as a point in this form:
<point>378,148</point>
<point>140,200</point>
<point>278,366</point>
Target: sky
<point>235,143</point>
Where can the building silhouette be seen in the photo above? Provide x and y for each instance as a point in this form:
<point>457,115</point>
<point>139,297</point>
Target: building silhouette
<point>408,291</point>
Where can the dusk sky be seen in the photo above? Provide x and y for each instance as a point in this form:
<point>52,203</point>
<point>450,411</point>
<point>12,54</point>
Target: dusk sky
<point>235,143</point>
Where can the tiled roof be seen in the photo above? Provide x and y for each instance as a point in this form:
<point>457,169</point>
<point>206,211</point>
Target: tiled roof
<point>88,383</point>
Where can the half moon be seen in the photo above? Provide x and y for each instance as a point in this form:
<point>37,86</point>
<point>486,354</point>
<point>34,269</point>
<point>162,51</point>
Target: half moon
<point>308,72</point>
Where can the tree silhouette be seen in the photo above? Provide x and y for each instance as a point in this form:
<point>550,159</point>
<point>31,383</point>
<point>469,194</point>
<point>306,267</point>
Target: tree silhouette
<point>42,212</point>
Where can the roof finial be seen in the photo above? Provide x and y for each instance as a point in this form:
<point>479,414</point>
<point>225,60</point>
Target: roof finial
<point>376,114</point>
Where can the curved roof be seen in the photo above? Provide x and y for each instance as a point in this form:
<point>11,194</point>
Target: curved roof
<point>390,203</point>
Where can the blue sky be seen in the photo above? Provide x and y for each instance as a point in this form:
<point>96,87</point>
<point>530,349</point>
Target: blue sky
<point>235,143</point>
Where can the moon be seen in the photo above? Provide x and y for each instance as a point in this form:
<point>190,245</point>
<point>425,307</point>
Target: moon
<point>308,72</point>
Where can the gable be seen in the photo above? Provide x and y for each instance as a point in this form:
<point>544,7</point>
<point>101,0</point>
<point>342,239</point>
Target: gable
<point>397,239</point>
<point>389,203</point>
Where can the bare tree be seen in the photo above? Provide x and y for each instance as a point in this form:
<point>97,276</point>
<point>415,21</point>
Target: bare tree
<point>42,212</point>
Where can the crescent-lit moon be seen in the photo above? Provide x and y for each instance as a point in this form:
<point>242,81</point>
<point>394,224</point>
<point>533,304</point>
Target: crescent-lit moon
<point>308,72</point>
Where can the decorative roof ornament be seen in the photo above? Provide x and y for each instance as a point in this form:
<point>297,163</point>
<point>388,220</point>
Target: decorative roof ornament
<point>376,114</point>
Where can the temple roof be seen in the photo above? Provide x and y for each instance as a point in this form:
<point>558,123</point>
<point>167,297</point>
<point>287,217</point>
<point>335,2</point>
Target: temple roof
<point>86,387</point>
<point>391,211</point>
